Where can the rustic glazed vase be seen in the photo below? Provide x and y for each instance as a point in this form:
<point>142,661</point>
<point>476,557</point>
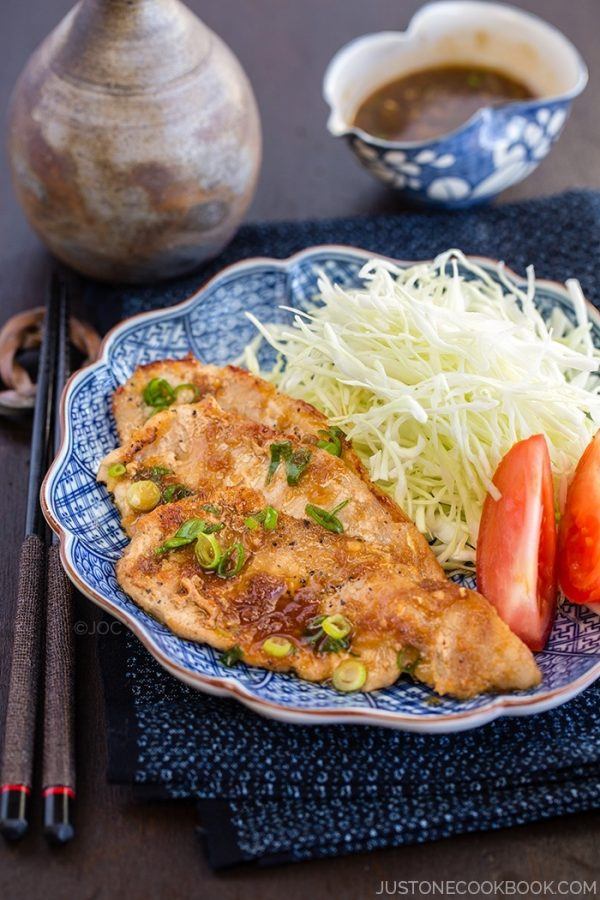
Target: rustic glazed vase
<point>134,140</point>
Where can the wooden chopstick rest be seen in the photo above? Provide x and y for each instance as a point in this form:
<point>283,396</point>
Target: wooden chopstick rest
<point>24,332</point>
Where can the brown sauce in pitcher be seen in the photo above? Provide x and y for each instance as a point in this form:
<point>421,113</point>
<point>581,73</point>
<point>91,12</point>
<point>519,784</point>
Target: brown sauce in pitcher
<point>434,101</point>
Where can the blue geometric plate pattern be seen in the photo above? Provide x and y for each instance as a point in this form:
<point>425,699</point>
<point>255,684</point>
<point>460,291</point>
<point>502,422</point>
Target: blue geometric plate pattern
<point>212,325</point>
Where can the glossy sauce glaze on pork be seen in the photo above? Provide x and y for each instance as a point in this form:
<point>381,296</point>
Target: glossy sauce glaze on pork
<point>236,390</point>
<point>294,574</point>
<point>374,564</point>
<point>201,444</point>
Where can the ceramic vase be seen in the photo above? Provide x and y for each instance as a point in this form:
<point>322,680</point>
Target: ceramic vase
<point>134,140</point>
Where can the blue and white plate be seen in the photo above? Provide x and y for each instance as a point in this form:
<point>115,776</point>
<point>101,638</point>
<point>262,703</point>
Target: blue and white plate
<point>212,325</point>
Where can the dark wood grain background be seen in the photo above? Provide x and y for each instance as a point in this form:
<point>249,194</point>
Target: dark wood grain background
<point>127,850</point>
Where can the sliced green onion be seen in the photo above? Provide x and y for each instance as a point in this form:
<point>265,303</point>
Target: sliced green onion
<point>117,470</point>
<point>173,543</point>
<point>267,517</point>
<point>327,519</point>
<point>296,461</point>
<point>211,508</point>
<point>176,492</point>
<point>214,527</point>
<point>232,561</point>
<point>408,659</point>
<point>350,675</point>
<point>337,626</point>
<point>277,646</point>
<point>158,393</point>
<point>270,520</point>
<point>232,656</point>
<point>209,552</point>
<point>278,452</point>
<point>332,440</point>
<point>191,529</point>
<point>188,533</point>
<point>143,495</point>
<point>190,388</point>
<point>155,473</point>
<point>321,641</point>
<point>296,465</point>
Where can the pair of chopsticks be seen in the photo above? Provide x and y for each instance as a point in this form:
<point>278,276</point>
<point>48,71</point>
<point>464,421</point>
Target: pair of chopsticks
<point>43,627</point>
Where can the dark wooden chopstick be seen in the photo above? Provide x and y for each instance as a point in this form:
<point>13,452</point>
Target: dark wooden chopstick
<point>58,772</point>
<point>16,771</point>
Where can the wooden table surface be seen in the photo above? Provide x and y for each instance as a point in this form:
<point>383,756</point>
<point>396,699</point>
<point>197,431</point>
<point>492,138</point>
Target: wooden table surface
<point>127,850</point>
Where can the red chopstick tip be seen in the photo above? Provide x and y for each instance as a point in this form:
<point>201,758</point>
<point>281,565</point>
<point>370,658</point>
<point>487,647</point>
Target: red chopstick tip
<point>58,789</point>
<point>24,788</point>
<point>58,813</point>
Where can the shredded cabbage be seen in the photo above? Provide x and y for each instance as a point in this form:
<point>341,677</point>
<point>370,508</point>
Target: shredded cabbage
<point>434,371</point>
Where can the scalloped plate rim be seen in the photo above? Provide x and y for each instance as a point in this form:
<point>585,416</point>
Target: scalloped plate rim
<point>504,705</point>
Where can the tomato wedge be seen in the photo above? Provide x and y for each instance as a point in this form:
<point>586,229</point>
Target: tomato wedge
<point>579,534</point>
<point>516,546</point>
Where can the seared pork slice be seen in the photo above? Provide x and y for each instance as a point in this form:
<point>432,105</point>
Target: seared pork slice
<point>200,445</point>
<point>269,611</point>
<point>236,390</point>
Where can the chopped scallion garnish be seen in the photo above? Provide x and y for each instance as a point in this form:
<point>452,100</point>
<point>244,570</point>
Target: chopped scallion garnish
<point>267,517</point>
<point>117,470</point>
<point>158,393</point>
<point>408,659</point>
<point>176,492</point>
<point>278,452</point>
<point>232,656</point>
<point>187,389</point>
<point>232,561</point>
<point>173,543</point>
<point>153,473</point>
<point>187,534</point>
<point>209,552</point>
<point>191,529</point>
<point>327,519</point>
<point>350,675</point>
<point>295,461</point>
<point>332,440</point>
<point>321,640</point>
<point>270,520</point>
<point>337,626</point>
<point>296,465</point>
<point>277,646</point>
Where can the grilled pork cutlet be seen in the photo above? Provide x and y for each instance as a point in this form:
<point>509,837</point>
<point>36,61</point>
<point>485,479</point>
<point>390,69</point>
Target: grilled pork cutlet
<point>233,388</point>
<point>268,606</point>
<point>236,390</point>
<point>461,644</point>
<point>201,445</point>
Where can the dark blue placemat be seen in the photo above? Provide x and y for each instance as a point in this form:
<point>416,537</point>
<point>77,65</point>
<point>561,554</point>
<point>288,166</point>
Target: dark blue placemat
<point>270,792</point>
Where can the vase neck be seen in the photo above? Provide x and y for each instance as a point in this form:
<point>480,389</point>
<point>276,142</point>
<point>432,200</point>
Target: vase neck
<point>130,44</point>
